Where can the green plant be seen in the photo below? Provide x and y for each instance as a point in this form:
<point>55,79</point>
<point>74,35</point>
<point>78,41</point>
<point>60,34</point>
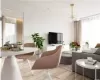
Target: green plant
<point>38,40</point>
<point>87,43</point>
<point>19,43</point>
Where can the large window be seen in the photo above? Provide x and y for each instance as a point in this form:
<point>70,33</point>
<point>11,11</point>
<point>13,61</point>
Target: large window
<point>11,30</point>
<point>91,31</point>
<point>10,33</point>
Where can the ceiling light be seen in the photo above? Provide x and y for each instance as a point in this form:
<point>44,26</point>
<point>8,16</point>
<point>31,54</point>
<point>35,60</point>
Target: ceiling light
<point>72,11</point>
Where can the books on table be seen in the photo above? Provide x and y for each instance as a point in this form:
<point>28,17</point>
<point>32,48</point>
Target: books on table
<point>91,62</point>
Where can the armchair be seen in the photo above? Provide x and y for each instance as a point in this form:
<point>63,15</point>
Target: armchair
<point>48,60</point>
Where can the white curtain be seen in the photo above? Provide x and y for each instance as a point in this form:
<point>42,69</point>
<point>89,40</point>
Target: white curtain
<point>10,33</point>
<point>77,31</point>
<point>91,30</point>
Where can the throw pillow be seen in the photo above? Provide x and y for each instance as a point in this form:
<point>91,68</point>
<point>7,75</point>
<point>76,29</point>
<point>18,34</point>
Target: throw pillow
<point>98,51</point>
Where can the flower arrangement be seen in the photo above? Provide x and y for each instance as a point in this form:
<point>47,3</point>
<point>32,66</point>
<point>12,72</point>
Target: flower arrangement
<point>74,45</point>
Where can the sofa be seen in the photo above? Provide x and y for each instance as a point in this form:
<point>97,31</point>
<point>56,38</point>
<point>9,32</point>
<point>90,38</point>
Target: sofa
<point>87,72</point>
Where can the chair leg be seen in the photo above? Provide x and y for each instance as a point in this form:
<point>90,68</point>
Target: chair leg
<point>49,75</point>
<point>30,66</point>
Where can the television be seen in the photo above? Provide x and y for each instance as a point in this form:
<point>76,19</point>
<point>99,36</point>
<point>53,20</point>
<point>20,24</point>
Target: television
<point>55,38</point>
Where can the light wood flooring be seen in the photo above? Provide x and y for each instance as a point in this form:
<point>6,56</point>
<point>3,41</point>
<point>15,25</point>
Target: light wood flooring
<point>63,72</point>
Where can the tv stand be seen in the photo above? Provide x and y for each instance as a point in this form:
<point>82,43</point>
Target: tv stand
<point>52,44</point>
<point>51,47</point>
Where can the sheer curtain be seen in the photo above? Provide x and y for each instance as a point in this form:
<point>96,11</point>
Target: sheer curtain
<point>77,31</point>
<point>10,33</point>
<point>91,30</point>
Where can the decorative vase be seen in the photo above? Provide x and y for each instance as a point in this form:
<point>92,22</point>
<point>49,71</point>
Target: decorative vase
<point>20,47</point>
<point>72,49</point>
<point>76,48</point>
<point>39,53</point>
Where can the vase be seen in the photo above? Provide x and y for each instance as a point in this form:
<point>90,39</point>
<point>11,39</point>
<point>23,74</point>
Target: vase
<point>76,49</point>
<point>72,49</point>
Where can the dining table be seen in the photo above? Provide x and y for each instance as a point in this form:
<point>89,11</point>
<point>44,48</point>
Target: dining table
<point>10,69</point>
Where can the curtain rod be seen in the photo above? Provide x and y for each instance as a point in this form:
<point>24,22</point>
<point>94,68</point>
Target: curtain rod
<point>89,16</point>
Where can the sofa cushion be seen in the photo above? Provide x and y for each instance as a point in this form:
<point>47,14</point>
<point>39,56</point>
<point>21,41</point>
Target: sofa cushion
<point>91,50</point>
<point>97,51</point>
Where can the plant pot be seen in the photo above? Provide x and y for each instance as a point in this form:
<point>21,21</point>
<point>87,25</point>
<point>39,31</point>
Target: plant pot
<point>20,47</point>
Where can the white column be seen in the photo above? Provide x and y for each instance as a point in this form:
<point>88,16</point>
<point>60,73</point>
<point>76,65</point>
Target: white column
<point>10,70</point>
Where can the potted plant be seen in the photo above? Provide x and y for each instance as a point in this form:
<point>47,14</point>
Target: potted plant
<point>87,45</point>
<point>74,46</point>
<point>20,45</point>
<point>38,41</point>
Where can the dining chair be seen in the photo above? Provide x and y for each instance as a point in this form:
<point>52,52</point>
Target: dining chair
<point>28,56</point>
<point>48,60</point>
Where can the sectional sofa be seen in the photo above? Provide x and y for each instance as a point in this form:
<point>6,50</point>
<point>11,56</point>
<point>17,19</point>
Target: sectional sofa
<point>88,72</point>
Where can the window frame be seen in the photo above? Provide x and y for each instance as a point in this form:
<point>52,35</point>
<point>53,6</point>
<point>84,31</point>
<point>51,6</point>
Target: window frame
<point>19,27</point>
<point>3,22</point>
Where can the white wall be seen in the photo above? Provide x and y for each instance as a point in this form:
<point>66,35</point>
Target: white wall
<point>0,8</point>
<point>11,8</point>
<point>84,8</point>
<point>44,17</point>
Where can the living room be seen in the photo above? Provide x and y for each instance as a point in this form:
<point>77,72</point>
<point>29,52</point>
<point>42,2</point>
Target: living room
<point>76,21</point>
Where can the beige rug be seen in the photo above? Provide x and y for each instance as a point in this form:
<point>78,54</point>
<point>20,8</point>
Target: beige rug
<point>63,72</point>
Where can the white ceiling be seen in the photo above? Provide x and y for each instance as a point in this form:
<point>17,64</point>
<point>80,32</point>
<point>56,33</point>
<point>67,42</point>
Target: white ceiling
<point>62,0</point>
<point>81,5</point>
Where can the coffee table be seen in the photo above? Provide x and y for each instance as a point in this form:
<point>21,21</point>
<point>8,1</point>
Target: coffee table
<point>81,63</point>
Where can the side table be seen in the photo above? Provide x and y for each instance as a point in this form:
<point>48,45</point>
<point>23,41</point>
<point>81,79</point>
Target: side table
<point>81,63</point>
<point>66,58</point>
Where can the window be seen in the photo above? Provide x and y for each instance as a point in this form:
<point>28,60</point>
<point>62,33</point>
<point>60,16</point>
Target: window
<point>91,31</point>
<point>12,30</point>
<point>10,33</point>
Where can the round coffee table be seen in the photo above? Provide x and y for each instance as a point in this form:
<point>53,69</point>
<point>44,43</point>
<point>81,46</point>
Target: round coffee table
<point>81,63</point>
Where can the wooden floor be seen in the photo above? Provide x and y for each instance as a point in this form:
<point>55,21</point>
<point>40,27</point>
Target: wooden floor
<point>63,72</point>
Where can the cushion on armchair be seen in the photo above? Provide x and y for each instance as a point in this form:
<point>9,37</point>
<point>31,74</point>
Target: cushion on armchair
<point>91,50</point>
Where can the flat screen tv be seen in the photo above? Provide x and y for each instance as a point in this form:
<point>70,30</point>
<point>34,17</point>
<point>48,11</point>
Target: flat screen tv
<point>55,38</point>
